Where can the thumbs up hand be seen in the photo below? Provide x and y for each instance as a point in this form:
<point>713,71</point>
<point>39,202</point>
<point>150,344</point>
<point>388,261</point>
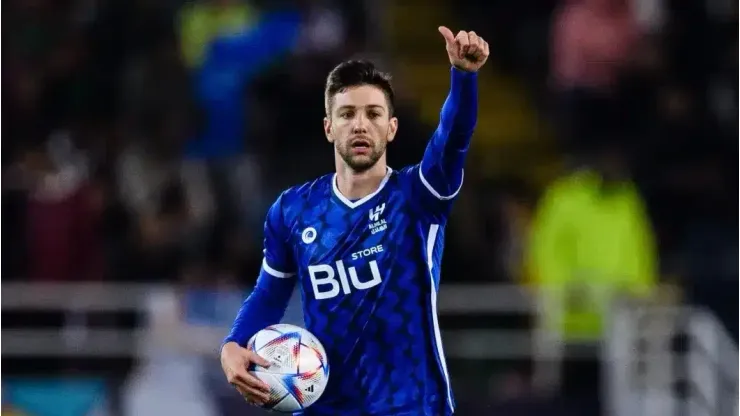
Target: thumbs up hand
<point>467,51</point>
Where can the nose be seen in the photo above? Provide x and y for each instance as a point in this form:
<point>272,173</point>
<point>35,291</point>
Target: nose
<point>359,124</point>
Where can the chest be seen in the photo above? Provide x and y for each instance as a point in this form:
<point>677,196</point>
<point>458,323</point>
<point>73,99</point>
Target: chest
<point>336,232</point>
<point>339,249</point>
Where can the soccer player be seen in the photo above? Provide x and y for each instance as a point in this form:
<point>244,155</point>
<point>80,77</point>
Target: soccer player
<point>365,245</point>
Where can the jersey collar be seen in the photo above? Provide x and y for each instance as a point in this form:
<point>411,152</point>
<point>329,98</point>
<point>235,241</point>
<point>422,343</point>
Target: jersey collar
<point>361,201</point>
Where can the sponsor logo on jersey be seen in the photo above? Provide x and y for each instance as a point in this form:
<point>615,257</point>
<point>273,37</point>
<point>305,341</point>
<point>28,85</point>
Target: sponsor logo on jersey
<point>329,280</point>
<point>376,212</point>
<point>376,223</point>
<point>367,252</point>
<point>309,235</point>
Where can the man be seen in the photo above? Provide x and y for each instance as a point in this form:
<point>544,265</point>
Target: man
<point>591,244</point>
<point>365,245</point>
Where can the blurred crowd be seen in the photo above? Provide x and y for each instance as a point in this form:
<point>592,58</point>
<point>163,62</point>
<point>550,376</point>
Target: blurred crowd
<point>145,139</point>
<point>641,93</point>
<point>150,135</point>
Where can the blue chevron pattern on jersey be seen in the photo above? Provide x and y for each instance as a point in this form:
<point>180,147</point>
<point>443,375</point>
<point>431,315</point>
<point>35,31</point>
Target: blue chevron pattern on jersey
<point>368,274</point>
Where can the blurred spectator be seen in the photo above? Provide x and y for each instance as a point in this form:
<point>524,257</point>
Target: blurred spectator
<point>323,31</point>
<point>593,43</point>
<point>224,151</point>
<point>202,21</point>
<point>64,213</point>
<point>587,58</point>
<point>167,228</point>
<point>591,242</point>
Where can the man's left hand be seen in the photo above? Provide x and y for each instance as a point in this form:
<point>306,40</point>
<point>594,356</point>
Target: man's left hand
<point>467,51</point>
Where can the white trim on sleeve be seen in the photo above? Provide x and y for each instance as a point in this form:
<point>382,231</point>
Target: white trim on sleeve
<point>273,272</point>
<point>437,194</point>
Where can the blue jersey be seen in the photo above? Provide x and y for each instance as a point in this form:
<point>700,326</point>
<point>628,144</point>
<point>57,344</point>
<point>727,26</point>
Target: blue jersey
<point>368,273</point>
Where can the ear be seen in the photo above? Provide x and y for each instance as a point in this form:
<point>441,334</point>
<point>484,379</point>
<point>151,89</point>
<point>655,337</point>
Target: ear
<point>327,130</point>
<point>392,129</point>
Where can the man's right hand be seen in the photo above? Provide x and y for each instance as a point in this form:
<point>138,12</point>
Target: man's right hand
<point>235,361</point>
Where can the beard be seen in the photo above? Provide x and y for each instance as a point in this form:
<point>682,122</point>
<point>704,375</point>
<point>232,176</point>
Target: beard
<point>360,162</point>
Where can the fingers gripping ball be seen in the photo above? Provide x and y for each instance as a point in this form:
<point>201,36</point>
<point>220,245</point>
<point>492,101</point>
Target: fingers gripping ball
<point>298,370</point>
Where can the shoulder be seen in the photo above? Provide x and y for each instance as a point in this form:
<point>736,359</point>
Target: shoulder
<point>420,197</point>
<point>400,180</point>
<point>407,170</point>
<point>402,176</point>
<point>316,188</point>
<point>297,199</point>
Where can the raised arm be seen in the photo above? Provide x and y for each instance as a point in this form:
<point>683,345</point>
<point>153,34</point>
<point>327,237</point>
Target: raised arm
<point>441,169</point>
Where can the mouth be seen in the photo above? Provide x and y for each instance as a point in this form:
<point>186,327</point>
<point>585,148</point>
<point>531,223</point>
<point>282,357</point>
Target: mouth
<point>360,145</point>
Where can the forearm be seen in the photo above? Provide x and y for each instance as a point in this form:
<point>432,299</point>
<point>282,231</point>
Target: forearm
<point>442,165</point>
<point>459,111</point>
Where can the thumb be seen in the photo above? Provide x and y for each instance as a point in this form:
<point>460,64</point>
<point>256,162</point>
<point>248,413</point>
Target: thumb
<point>447,34</point>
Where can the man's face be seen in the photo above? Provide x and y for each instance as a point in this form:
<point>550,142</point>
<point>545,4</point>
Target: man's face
<point>360,126</point>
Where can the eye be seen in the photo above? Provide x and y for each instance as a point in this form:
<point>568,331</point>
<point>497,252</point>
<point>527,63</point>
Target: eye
<point>346,114</point>
<point>373,115</point>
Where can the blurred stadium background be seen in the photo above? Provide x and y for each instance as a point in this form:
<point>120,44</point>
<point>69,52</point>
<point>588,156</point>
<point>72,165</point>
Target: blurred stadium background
<point>592,255</point>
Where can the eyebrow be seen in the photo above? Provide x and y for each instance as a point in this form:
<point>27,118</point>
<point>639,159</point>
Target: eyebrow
<point>352,107</point>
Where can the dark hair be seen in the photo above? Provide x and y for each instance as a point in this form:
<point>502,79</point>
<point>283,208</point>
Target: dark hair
<point>354,74</point>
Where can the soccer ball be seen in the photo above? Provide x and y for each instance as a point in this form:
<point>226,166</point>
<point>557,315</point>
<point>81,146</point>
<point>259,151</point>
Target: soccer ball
<point>299,369</point>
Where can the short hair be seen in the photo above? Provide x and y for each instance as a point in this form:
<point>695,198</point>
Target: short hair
<point>356,73</point>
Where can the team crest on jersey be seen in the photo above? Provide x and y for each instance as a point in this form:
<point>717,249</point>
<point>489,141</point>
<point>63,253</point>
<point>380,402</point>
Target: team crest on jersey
<point>377,224</point>
<point>309,235</point>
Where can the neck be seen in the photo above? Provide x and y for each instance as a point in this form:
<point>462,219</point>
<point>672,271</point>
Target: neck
<point>357,185</point>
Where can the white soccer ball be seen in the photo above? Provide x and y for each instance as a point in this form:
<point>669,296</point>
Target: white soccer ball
<point>299,368</point>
